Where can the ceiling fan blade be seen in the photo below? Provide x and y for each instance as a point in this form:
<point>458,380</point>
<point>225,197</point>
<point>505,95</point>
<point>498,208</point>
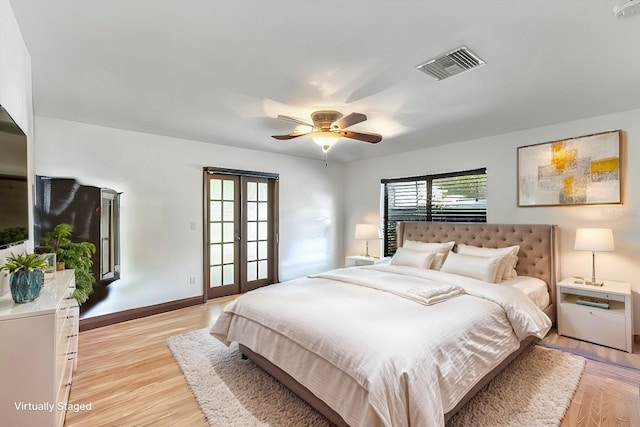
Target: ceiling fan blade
<point>294,120</point>
<point>289,136</point>
<point>373,138</point>
<point>349,120</point>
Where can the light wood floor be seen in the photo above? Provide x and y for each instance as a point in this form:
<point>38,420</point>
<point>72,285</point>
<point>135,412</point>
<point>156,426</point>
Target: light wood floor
<point>128,375</point>
<point>607,395</point>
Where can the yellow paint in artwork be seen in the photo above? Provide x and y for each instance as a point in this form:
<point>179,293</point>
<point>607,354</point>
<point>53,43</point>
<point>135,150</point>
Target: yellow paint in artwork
<point>562,158</point>
<point>567,186</point>
<point>604,165</point>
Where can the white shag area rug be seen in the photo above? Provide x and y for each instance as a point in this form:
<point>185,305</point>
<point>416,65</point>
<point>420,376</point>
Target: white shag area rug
<point>534,390</point>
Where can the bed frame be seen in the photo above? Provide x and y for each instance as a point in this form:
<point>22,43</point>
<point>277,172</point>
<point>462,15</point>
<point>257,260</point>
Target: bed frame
<point>537,258</point>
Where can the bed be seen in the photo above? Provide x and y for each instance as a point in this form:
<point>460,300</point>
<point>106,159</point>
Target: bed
<point>367,346</point>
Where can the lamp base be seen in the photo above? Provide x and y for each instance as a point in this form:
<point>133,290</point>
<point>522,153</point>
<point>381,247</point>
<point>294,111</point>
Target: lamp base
<point>590,283</point>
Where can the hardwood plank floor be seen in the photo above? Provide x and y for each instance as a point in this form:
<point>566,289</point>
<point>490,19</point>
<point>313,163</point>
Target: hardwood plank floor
<point>607,395</point>
<point>128,375</point>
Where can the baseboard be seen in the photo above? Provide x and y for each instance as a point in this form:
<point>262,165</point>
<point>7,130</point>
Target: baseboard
<point>136,313</point>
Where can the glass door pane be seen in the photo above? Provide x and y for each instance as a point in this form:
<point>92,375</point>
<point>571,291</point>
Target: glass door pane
<point>257,237</point>
<point>223,232</point>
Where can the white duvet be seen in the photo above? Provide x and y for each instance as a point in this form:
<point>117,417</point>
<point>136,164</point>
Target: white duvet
<point>415,361</point>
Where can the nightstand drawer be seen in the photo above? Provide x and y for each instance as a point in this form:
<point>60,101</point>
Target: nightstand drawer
<point>359,261</point>
<point>596,325</point>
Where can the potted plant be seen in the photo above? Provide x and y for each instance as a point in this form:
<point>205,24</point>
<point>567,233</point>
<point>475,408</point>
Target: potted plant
<point>78,257</point>
<point>53,240</point>
<point>26,276</point>
<point>74,255</point>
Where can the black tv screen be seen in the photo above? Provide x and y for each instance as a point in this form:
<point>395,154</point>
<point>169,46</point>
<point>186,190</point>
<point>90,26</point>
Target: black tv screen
<point>14,187</point>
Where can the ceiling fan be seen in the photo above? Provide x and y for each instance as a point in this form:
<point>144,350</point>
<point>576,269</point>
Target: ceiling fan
<point>328,127</point>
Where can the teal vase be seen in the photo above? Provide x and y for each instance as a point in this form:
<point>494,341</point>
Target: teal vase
<point>26,285</point>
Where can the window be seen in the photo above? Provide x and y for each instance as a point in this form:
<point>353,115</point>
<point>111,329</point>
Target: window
<point>450,197</point>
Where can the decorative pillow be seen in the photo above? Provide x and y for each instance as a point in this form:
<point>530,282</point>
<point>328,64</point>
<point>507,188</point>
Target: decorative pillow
<point>511,272</point>
<point>411,258</point>
<point>504,271</point>
<point>440,248</point>
<point>438,260</point>
<point>476,267</point>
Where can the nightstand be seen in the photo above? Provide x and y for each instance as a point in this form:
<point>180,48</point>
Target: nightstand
<point>360,260</point>
<point>611,327</point>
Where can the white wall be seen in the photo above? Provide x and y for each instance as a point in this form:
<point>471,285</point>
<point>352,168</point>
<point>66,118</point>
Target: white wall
<point>16,98</point>
<point>499,155</point>
<point>161,181</point>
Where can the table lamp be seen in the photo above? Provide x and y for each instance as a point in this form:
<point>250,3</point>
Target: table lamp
<point>594,240</point>
<point>366,232</point>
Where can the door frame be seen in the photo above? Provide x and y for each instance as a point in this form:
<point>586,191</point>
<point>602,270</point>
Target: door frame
<point>274,225</point>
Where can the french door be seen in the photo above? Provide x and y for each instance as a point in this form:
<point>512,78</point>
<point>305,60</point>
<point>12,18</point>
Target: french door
<point>241,231</point>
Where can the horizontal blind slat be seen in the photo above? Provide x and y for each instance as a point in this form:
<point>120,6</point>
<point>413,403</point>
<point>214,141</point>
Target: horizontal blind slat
<point>455,197</point>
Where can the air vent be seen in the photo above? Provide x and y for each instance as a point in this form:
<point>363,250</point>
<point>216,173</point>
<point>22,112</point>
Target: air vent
<point>451,63</point>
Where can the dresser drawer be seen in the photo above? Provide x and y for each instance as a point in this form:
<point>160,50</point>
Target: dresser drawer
<point>74,326</point>
<point>63,390</point>
<point>65,321</point>
<point>63,313</point>
<point>67,356</point>
<point>596,325</point>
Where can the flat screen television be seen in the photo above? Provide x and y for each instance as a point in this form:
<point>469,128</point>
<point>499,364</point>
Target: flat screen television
<point>14,187</point>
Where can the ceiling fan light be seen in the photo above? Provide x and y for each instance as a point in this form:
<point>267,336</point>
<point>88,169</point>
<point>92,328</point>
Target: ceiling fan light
<point>325,139</point>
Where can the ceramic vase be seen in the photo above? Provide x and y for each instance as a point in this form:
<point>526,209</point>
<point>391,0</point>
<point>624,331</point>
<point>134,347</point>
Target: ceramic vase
<point>26,285</point>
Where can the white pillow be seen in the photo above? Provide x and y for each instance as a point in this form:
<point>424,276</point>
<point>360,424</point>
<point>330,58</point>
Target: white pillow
<point>428,246</point>
<point>411,258</point>
<point>477,267</point>
<point>507,263</point>
<point>441,248</point>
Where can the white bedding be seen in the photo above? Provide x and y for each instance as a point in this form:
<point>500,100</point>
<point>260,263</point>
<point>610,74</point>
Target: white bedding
<point>534,288</point>
<point>403,362</point>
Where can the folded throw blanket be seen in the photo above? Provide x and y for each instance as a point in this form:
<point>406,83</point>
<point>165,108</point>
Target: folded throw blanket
<point>417,289</point>
<point>433,295</point>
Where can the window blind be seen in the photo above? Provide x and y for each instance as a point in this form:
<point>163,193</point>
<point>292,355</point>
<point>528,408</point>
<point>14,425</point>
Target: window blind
<point>451,197</point>
<point>461,198</point>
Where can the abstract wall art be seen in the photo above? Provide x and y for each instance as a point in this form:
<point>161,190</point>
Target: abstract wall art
<point>577,171</point>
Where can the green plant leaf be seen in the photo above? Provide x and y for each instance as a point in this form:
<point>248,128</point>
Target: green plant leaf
<point>75,255</point>
<point>24,261</point>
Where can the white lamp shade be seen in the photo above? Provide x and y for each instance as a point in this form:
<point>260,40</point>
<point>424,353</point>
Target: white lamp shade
<point>366,231</point>
<point>325,139</point>
<point>594,239</point>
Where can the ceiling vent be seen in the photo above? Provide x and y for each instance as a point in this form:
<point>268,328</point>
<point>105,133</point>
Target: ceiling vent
<point>451,63</point>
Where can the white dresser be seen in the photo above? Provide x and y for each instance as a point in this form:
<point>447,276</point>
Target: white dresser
<point>39,354</point>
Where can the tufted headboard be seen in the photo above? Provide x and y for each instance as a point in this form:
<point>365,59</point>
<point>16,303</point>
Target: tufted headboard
<point>538,244</point>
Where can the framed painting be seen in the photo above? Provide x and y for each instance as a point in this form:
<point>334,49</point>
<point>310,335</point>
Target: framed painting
<point>578,171</point>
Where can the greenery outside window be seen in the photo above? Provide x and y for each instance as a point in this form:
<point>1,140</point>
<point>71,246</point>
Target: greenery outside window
<point>449,197</point>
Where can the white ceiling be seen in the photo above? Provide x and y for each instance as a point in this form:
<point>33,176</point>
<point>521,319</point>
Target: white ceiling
<point>221,71</point>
